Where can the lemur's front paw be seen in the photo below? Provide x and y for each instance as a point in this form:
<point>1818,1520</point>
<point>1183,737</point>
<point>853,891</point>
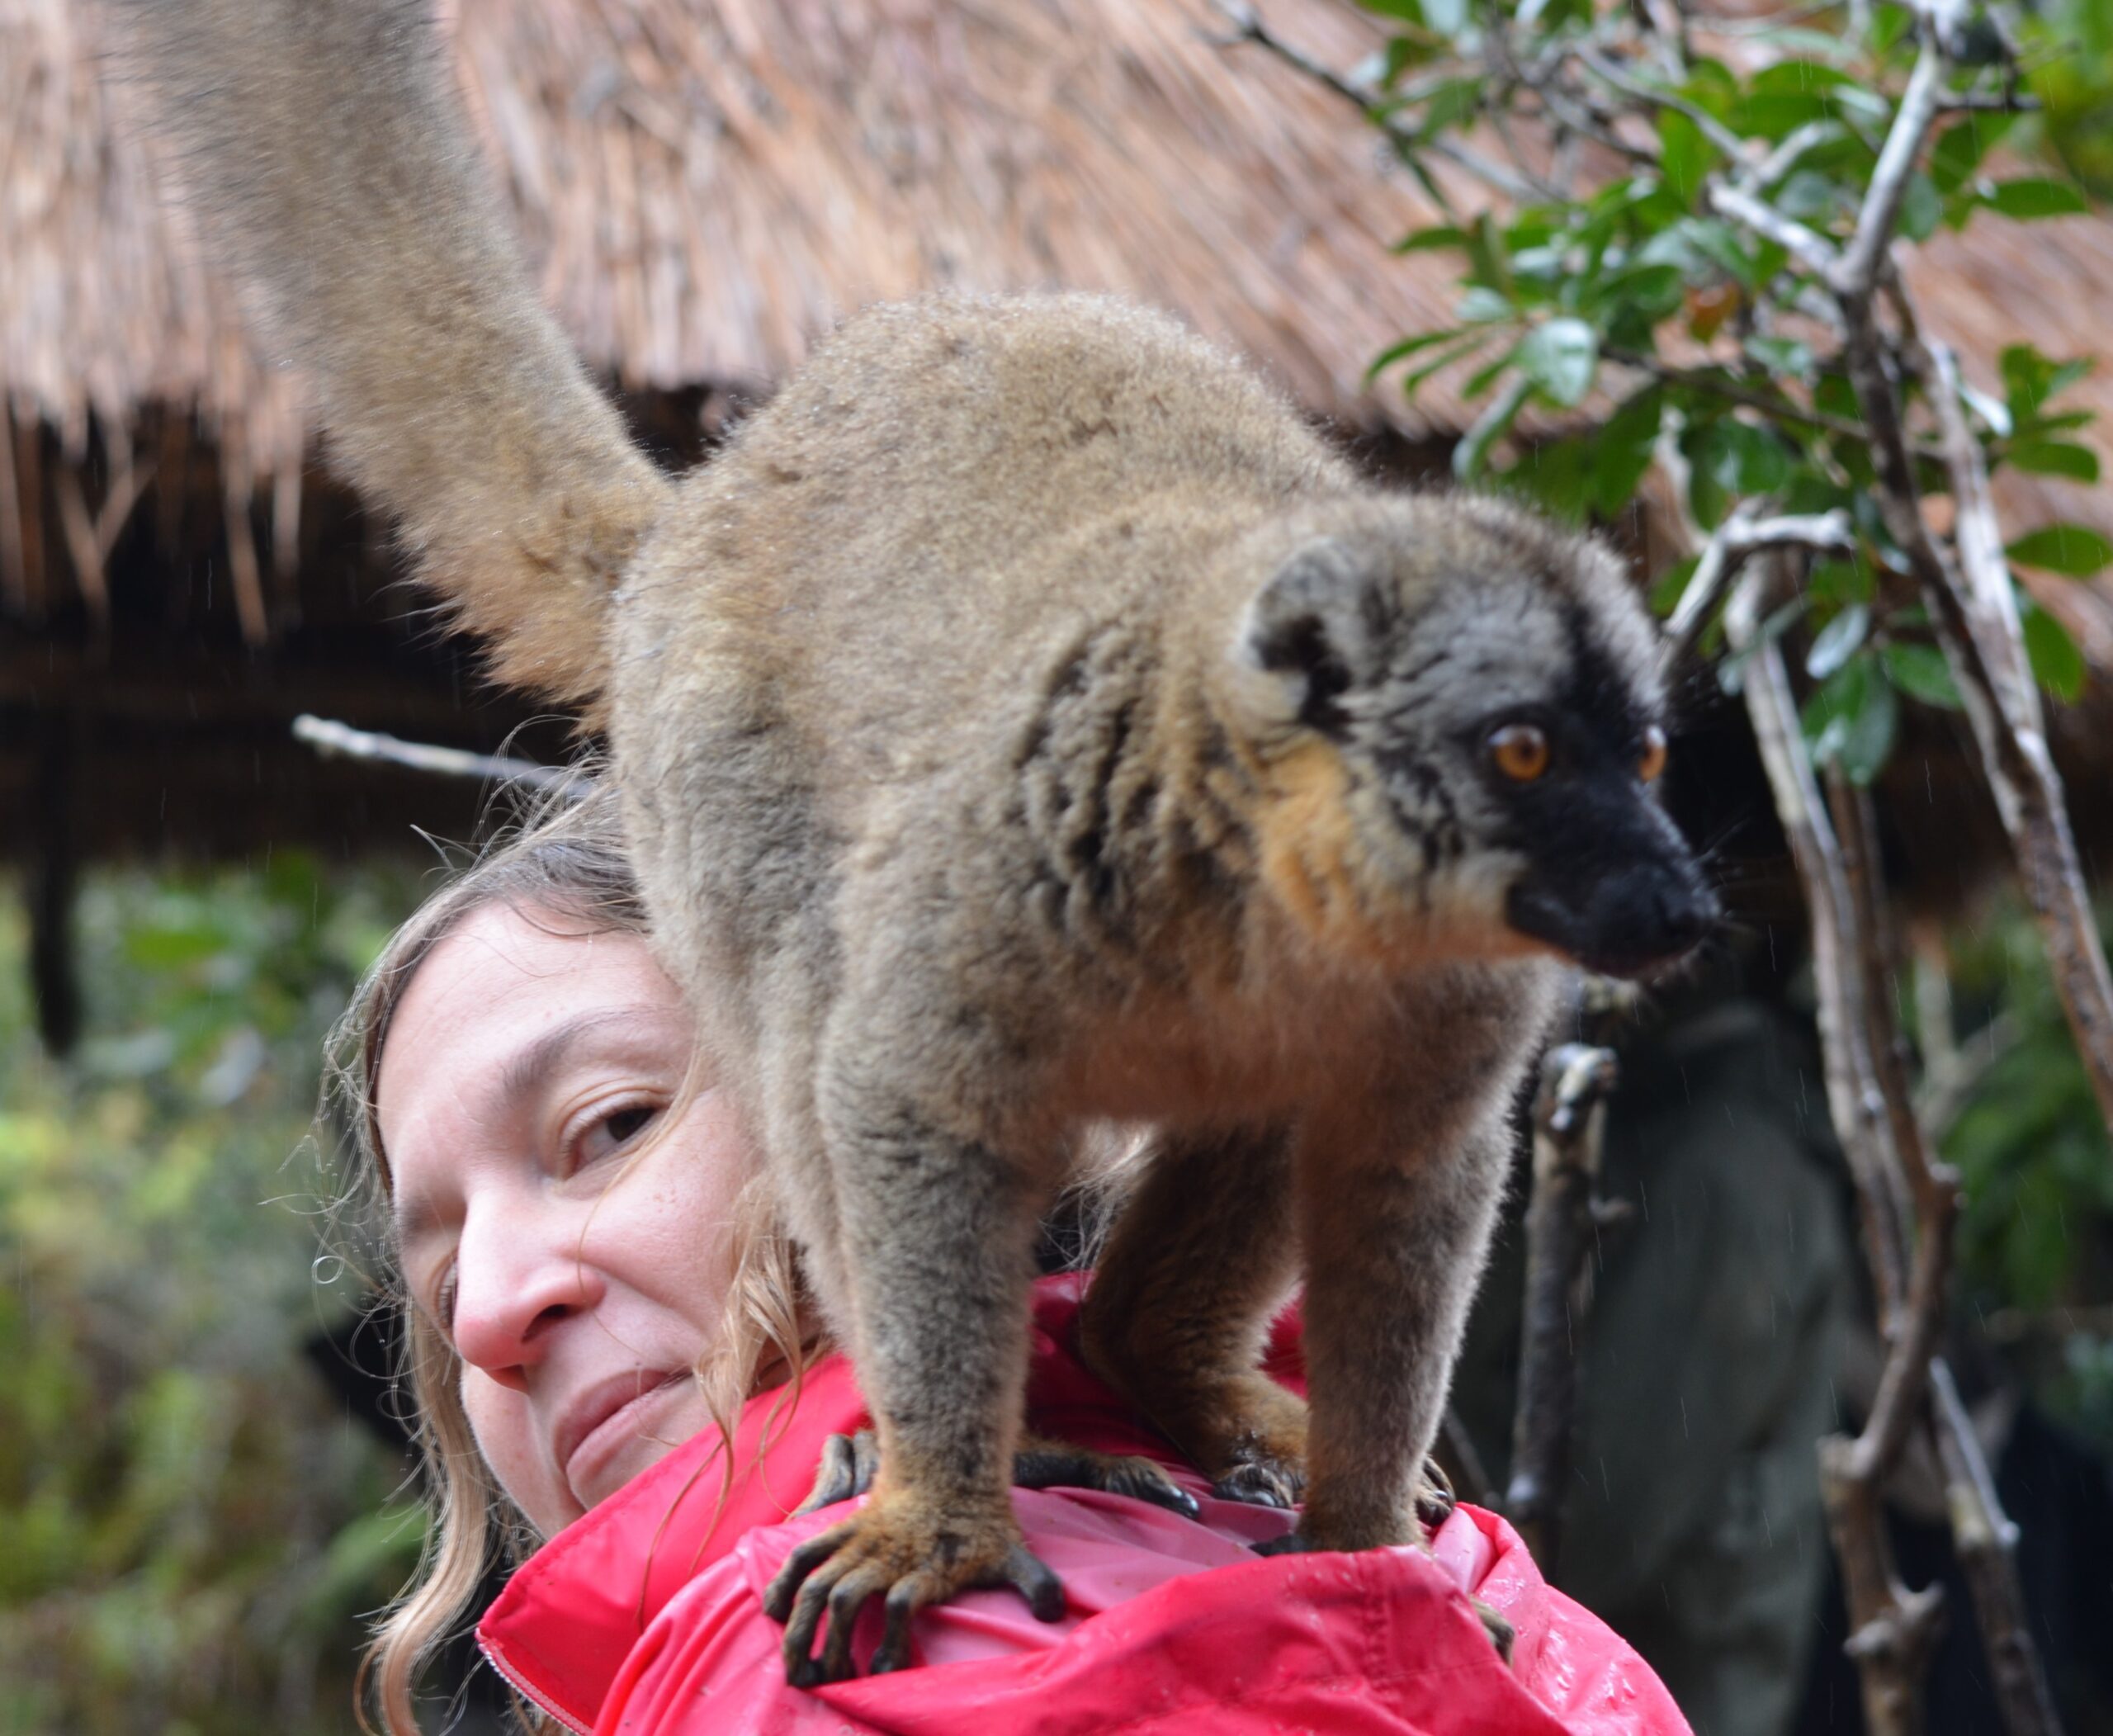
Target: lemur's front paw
<point>1501,1632</point>
<point>904,1548</point>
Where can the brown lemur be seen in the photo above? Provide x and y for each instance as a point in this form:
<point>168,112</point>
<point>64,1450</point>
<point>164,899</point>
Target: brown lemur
<point>1028,722</point>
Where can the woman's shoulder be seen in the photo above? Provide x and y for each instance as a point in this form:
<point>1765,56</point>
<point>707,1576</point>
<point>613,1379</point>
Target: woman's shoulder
<point>645,1616</point>
<point>1172,1627</point>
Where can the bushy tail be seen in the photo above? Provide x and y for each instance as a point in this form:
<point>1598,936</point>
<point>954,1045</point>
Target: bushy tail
<point>327,154</point>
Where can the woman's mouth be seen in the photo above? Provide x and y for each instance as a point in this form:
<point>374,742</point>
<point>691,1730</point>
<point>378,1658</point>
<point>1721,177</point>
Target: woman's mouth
<point>599,1424</point>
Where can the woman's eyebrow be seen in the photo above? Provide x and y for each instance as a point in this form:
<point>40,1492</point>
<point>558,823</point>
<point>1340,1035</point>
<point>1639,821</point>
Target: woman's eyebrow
<point>535,1063</point>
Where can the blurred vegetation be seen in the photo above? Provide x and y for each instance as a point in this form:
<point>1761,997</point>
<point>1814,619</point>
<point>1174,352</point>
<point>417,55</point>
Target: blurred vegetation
<point>191,1525</point>
<point>2036,1237</point>
<point>2075,39</point>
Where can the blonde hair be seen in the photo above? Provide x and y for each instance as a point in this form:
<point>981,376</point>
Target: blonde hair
<point>567,862</point>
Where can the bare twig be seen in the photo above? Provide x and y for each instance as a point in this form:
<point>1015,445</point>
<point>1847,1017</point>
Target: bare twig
<point>1248,27</point>
<point>1807,246</point>
<point>1987,1542</point>
<point>1740,536</point>
<point>1569,1117</point>
<point>1704,122</point>
<point>1892,1627</point>
<point>332,738</point>
<point>1857,269</point>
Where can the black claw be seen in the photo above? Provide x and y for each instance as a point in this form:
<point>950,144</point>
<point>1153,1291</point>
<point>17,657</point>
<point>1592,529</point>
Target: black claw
<point>1291,1543</point>
<point>778,1595</point>
<point>1256,1485</point>
<point>845,1601</point>
<point>893,1652</point>
<point>1032,1578</point>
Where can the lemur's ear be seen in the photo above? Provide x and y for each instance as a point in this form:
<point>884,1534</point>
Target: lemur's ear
<point>1316,627</point>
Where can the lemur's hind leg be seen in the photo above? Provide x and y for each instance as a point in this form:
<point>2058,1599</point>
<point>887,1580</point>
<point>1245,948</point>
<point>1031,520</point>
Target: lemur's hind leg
<point>1201,1258</point>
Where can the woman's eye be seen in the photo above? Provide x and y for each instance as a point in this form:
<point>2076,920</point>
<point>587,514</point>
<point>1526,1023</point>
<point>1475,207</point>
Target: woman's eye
<point>612,1133</point>
<point>443,1301</point>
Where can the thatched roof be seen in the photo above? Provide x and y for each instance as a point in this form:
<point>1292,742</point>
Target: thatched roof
<point>705,185</point>
<point>708,184</point>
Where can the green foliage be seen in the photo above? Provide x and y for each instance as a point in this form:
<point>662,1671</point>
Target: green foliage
<point>1647,317</point>
<point>1744,395</point>
<point>187,1521</point>
<point>2037,1232</point>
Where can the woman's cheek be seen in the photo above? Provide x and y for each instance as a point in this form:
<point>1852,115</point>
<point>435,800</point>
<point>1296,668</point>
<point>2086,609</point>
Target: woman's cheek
<point>504,1426</point>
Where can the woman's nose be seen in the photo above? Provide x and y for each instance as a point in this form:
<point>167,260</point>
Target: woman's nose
<point>514,1282</point>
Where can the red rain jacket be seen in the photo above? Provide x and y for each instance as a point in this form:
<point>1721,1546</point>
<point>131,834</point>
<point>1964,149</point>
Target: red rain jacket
<point>645,1617</point>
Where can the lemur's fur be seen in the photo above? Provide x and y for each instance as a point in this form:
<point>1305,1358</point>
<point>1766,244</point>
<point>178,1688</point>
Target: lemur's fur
<point>1027,721</point>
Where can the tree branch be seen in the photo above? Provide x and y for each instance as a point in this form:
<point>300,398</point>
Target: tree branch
<point>333,739</point>
<point>1740,536</point>
<point>1569,1120</point>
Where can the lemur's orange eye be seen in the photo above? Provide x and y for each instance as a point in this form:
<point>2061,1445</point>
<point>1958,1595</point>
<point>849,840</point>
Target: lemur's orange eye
<point>1653,760</point>
<point>1521,752</point>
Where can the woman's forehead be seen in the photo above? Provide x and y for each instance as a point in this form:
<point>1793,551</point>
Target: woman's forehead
<point>500,980</point>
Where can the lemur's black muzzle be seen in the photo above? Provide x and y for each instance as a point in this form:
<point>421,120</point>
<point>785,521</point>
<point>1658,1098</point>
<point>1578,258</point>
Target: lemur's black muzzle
<point>1624,900</point>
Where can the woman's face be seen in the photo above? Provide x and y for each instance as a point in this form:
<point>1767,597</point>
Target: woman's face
<point>579,1279</point>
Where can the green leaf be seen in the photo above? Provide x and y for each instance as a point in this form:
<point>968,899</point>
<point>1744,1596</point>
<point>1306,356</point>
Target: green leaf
<point>2030,378</point>
<point>1407,347</point>
<point>2057,665</point>
<point>1921,672</point>
<point>2069,549</point>
<point>1685,155</point>
<point>1665,594</point>
<point>1479,305</point>
<point>1438,364</point>
<point>1960,149</point>
<point>2055,458</point>
<point>1853,718</point>
<point>1470,456</point>
<point>1837,641</point>
<point>1741,458</point>
<point>1562,358</point>
<point>2033,197</point>
<point>1488,259</point>
<point>1624,451</point>
<point>1922,209</point>
<point>1438,236</point>
<point>1787,357</point>
<point>1839,583</point>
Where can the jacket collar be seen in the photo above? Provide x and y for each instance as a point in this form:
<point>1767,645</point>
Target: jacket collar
<point>572,1612</point>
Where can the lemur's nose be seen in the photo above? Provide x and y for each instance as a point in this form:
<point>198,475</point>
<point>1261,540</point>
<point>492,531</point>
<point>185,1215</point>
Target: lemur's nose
<point>1684,913</point>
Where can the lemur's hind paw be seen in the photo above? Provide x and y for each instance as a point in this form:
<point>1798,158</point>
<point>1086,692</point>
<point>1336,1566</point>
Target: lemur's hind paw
<point>899,1547</point>
<point>849,1463</point>
<point>1261,1482</point>
<point>1042,1462</point>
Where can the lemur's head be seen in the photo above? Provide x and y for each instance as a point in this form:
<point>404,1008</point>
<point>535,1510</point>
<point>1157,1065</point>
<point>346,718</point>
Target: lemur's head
<point>1459,717</point>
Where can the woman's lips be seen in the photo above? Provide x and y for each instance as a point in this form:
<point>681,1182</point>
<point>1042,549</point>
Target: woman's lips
<point>602,1422</point>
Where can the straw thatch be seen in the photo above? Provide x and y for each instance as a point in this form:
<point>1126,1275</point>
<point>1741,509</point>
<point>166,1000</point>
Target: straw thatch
<point>708,184</point>
<point>705,186</point>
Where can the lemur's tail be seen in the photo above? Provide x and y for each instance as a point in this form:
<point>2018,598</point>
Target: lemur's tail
<point>323,147</point>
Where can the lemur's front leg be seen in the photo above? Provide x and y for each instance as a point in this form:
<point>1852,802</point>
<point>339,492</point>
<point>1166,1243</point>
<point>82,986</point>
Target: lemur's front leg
<point>937,1245</point>
<point>1396,1211</point>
